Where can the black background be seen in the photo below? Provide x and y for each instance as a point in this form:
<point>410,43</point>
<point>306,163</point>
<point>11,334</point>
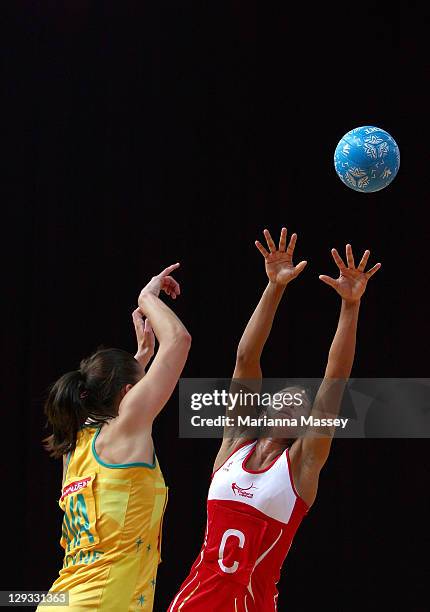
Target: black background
<point>139,134</point>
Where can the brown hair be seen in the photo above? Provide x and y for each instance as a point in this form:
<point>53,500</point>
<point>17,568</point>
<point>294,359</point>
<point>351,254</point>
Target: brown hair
<point>91,392</point>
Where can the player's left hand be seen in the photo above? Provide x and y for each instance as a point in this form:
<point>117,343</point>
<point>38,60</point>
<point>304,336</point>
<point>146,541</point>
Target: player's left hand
<point>145,338</point>
<point>352,280</point>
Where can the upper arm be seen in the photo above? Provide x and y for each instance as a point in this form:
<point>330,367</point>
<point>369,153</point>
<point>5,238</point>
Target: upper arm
<point>247,368</point>
<point>144,401</point>
<point>248,371</point>
<point>315,445</point>
<point>310,453</point>
<point>306,467</point>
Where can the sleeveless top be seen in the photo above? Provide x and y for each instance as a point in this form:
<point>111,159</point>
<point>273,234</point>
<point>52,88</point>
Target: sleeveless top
<point>111,532</point>
<point>252,517</point>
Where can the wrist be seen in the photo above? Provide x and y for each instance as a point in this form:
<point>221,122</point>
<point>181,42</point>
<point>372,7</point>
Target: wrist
<point>145,296</point>
<point>350,304</point>
<point>143,356</point>
<point>276,287</point>
<point>144,352</point>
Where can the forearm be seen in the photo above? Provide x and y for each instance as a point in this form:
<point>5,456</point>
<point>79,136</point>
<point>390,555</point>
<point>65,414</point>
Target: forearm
<point>342,350</point>
<point>258,329</point>
<point>313,448</point>
<point>166,325</point>
<point>317,440</point>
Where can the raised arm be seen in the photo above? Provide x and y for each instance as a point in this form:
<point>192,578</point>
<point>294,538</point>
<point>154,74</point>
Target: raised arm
<point>146,398</point>
<point>280,271</point>
<point>309,453</point>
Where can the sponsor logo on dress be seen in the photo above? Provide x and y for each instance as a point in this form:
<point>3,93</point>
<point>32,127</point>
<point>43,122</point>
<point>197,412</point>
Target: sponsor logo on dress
<point>242,492</point>
<point>75,486</point>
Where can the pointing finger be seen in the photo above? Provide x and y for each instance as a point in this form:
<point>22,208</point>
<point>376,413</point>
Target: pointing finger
<point>169,269</point>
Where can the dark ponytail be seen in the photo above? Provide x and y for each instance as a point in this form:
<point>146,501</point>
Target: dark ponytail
<point>89,394</point>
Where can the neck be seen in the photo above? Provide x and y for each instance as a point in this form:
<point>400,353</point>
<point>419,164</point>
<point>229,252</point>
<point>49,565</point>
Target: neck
<point>273,446</point>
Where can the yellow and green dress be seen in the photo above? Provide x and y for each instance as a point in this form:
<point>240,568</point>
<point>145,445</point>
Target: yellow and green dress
<point>111,531</point>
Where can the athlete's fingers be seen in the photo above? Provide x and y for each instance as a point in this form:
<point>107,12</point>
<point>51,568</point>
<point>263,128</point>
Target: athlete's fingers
<point>350,256</point>
<point>175,285</point>
<point>283,239</point>
<point>372,271</point>
<point>269,240</point>
<point>166,288</point>
<point>170,284</point>
<point>148,328</point>
<point>169,269</point>
<point>363,261</point>
<point>137,314</point>
<point>261,248</point>
<point>338,259</point>
<point>137,319</point>
<point>300,267</point>
<point>328,280</point>
<point>291,246</point>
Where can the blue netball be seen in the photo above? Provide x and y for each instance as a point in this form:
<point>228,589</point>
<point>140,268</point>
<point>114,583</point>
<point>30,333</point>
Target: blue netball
<point>367,159</point>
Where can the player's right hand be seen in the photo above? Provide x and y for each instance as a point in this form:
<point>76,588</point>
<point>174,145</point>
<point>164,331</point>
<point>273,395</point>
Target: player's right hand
<point>279,262</point>
<point>163,282</point>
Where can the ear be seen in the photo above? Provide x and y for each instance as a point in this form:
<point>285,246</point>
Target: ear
<point>125,390</point>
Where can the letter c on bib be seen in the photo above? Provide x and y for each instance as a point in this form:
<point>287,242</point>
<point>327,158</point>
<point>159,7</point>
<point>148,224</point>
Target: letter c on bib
<point>227,534</point>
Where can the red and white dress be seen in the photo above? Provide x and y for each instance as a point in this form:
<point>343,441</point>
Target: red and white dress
<point>252,519</point>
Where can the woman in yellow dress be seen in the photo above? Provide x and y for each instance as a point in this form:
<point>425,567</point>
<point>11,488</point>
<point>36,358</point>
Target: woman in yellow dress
<point>113,492</point>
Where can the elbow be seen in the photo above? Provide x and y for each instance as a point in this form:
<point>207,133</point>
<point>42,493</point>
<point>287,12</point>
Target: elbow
<point>178,340</point>
<point>182,339</point>
<point>245,357</point>
<point>175,349</point>
<point>338,372</point>
<point>338,367</point>
<point>186,339</point>
<point>183,345</point>
<point>242,356</point>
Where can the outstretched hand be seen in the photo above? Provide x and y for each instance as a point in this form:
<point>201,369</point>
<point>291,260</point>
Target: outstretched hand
<point>279,262</point>
<point>352,281</point>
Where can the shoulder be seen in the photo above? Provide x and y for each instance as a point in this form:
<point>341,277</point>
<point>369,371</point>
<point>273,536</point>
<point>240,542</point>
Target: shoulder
<point>230,448</point>
<point>115,445</point>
